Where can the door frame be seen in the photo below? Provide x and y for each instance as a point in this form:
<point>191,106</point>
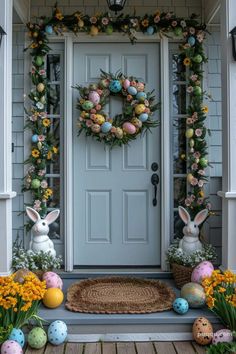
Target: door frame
<point>165,156</point>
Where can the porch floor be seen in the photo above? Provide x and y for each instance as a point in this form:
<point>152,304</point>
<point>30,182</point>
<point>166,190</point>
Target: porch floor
<point>121,348</point>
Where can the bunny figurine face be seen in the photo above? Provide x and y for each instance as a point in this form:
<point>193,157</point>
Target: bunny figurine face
<point>191,227</point>
<point>41,226</point>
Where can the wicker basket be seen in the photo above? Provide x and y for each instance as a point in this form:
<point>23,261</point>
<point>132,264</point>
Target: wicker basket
<point>181,274</point>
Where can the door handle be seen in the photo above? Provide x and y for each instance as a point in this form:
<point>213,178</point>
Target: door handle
<point>155,181</point>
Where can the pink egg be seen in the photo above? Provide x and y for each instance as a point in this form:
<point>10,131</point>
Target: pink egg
<point>129,128</point>
<point>223,335</point>
<point>11,347</point>
<point>126,84</point>
<point>201,271</point>
<point>52,280</point>
<point>94,97</point>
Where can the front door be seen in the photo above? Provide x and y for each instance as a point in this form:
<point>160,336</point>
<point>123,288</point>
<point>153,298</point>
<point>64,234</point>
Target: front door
<point>115,222</point>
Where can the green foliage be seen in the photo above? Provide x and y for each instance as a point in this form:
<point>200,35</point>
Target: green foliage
<point>222,348</point>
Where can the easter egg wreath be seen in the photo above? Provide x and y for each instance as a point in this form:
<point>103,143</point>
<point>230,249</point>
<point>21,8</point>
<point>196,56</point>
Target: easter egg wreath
<point>135,119</point>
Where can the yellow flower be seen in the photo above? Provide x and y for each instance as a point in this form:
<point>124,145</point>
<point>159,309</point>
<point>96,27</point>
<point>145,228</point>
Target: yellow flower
<point>210,302</point>
<point>59,15</point>
<point>145,22</point>
<point>201,194</point>
<point>35,153</point>
<point>205,109</point>
<point>187,61</point>
<point>49,192</point>
<point>55,149</point>
<point>46,122</point>
<point>34,45</point>
<point>157,13</point>
<point>221,289</point>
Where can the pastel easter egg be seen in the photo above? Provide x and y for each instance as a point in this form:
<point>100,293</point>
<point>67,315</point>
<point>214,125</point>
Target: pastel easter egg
<point>119,133</point>
<point>11,347</point>
<point>202,331</point>
<point>99,119</point>
<point>189,177</point>
<point>132,90</point>
<point>191,41</point>
<point>106,127</point>
<point>95,128</point>
<point>52,280</point>
<point>203,162</point>
<point>129,128</point>
<point>189,133</point>
<point>37,338</point>
<point>17,335</point>
<point>53,298</point>
<point>197,58</point>
<point>93,31</point>
<point>201,271</point>
<point>109,29</point>
<point>81,23</point>
<point>115,86</point>
<point>34,138</point>
<point>126,84</point>
<point>87,105</point>
<point>94,97</point>
<point>57,332</point>
<point>39,61</point>
<point>180,306</point>
<point>49,29</point>
<point>194,294</point>
<point>40,87</point>
<point>150,30</point>
<point>140,108</point>
<point>137,122</point>
<point>35,184</point>
<point>197,90</point>
<point>178,31</point>
<point>222,336</point>
<point>143,117</point>
<point>141,96</point>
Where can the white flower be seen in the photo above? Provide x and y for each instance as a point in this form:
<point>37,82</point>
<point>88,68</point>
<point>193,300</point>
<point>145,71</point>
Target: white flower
<point>39,105</point>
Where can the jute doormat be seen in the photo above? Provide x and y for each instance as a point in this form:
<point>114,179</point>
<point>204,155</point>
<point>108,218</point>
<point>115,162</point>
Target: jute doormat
<point>119,295</point>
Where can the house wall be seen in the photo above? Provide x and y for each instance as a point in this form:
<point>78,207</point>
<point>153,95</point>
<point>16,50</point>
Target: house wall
<point>212,83</point>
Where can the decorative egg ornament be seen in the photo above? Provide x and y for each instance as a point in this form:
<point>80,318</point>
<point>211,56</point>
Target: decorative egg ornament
<point>93,31</point>
<point>222,336</point>
<point>150,30</point>
<point>189,133</point>
<point>106,127</point>
<point>115,86</point>
<point>143,117</point>
<point>202,331</point>
<point>35,184</point>
<point>141,96</point>
<point>191,41</point>
<point>11,347</point>
<point>52,280</point>
<point>49,29</point>
<point>39,61</point>
<point>94,97</point>
<point>18,336</point>
<point>197,58</point>
<point>126,84</point>
<point>129,128</point>
<point>57,332</point>
<point>37,338</point>
<point>197,90</point>
<point>40,87</point>
<point>132,90</point>
<point>194,294</point>
<point>180,306</point>
<point>140,108</point>
<point>34,138</point>
<point>53,298</point>
<point>203,162</point>
<point>201,271</point>
<point>109,30</point>
<point>87,105</point>
<point>178,31</point>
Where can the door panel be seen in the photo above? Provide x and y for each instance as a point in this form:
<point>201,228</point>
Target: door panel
<point>115,222</point>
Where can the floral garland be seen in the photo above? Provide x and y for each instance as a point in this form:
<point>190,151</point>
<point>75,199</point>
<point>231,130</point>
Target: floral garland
<point>135,118</point>
<point>191,55</point>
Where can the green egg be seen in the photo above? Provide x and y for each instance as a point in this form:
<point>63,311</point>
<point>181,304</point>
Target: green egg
<point>35,184</point>
<point>87,105</point>
<point>37,338</point>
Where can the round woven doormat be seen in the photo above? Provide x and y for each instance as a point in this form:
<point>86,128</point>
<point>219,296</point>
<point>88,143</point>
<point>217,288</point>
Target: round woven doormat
<point>119,295</point>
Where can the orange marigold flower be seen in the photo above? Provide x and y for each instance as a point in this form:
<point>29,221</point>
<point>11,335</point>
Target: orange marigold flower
<point>46,122</point>
<point>145,22</point>
<point>187,61</point>
<point>35,153</point>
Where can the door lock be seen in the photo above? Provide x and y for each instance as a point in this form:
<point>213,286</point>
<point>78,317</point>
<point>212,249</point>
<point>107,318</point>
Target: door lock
<point>155,181</point>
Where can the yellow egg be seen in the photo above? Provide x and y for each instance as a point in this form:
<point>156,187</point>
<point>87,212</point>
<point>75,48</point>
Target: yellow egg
<point>53,298</point>
<point>119,133</point>
<point>189,177</point>
<point>99,119</point>
<point>93,30</point>
<point>189,133</point>
<point>140,108</point>
<point>81,23</point>
<point>136,122</point>
<point>191,143</point>
<point>40,87</point>
<point>202,331</point>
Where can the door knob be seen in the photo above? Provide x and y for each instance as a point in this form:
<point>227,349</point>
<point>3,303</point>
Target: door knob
<point>154,166</point>
<point>155,181</point>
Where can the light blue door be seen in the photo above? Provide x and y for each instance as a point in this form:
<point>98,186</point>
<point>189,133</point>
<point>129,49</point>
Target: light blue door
<point>115,222</point>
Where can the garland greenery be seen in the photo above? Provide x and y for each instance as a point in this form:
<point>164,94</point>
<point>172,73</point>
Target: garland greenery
<point>123,128</point>
<point>192,34</point>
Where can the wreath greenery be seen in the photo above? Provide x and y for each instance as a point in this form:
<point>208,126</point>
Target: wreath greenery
<point>135,119</point>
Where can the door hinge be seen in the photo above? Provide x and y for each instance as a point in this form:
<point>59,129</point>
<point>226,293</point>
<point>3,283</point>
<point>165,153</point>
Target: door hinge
<point>12,147</point>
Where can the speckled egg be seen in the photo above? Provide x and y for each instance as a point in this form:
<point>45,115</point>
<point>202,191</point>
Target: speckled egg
<point>106,127</point>
<point>202,331</point>
<point>140,108</point>
<point>52,280</point>
<point>137,122</point>
<point>126,84</point>
<point>94,97</point>
<point>141,96</point>
<point>180,306</point>
<point>57,332</point>
<point>11,347</point>
<point>119,133</point>
<point>87,105</point>
<point>17,335</point>
<point>129,128</point>
<point>201,271</point>
<point>191,41</point>
<point>115,86</point>
<point>132,90</point>
<point>194,294</point>
<point>99,119</point>
<point>222,336</point>
<point>143,117</point>
<point>37,338</point>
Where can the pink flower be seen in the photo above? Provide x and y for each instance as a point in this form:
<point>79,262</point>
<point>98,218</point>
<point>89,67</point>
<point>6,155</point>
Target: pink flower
<point>31,169</point>
<point>44,184</point>
<point>93,19</point>
<point>192,30</point>
<point>93,116</point>
<point>37,208</point>
<point>193,77</point>
<point>197,155</point>
<point>168,15</point>
<point>189,120</point>
<point>33,70</point>
<point>194,166</point>
<point>200,37</point>
<point>37,202</point>
<point>98,107</point>
<point>194,181</point>
<point>99,92</point>
<point>201,172</point>
<point>198,132</point>
<point>42,72</point>
<point>89,123</point>
<point>113,129</point>
<point>93,110</point>
<point>208,206</point>
<point>192,197</point>
<point>43,115</point>
<point>105,21</point>
<point>81,119</point>
<point>174,23</point>
<point>200,201</point>
<point>187,202</point>
<point>33,118</point>
<point>41,137</point>
<point>156,19</point>
<point>200,183</point>
<point>41,173</point>
<point>189,89</point>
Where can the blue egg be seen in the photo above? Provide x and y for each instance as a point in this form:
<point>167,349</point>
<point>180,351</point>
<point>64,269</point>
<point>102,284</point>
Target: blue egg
<point>18,336</point>
<point>143,117</point>
<point>35,138</point>
<point>191,40</point>
<point>106,127</point>
<point>180,306</point>
<point>150,30</point>
<point>141,96</point>
<point>115,86</point>
<point>57,332</point>
<point>132,90</point>
<point>49,29</point>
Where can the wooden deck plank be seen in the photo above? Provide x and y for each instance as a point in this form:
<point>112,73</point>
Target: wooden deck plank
<point>30,350</point>
<point>54,349</point>
<point>126,348</point>
<point>199,348</point>
<point>184,348</point>
<point>93,348</point>
<point>145,348</point>
<point>164,348</point>
<point>74,348</point>
<point>108,348</point>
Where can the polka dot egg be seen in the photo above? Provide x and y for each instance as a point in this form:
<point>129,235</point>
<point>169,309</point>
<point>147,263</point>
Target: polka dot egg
<point>11,347</point>
<point>57,332</point>
<point>222,336</point>
<point>115,86</point>
<point>52,280</point>
<point>37,338</point>
<point>180,306</point>
<point>18,336</point>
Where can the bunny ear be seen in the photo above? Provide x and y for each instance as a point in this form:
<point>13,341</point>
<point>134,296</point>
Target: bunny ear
<point>184,215</point>
<point>52,216</point>
<point>32,214</point>
<point>201,216</point>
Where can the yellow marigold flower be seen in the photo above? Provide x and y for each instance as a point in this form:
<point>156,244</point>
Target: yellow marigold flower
<point>49,155</point>
<point>210,302</point>
<point>49,191</point>
<point>55,149</point>
<point>35,153</point>
<point>34,45</point>
<point>187,61</point>
<point>205,109</point>
<point>145,22</point>
<point>46,122</point>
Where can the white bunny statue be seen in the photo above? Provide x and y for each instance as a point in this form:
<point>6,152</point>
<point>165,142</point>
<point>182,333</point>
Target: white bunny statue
<point>40,240</point>
<point>190,242</point>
